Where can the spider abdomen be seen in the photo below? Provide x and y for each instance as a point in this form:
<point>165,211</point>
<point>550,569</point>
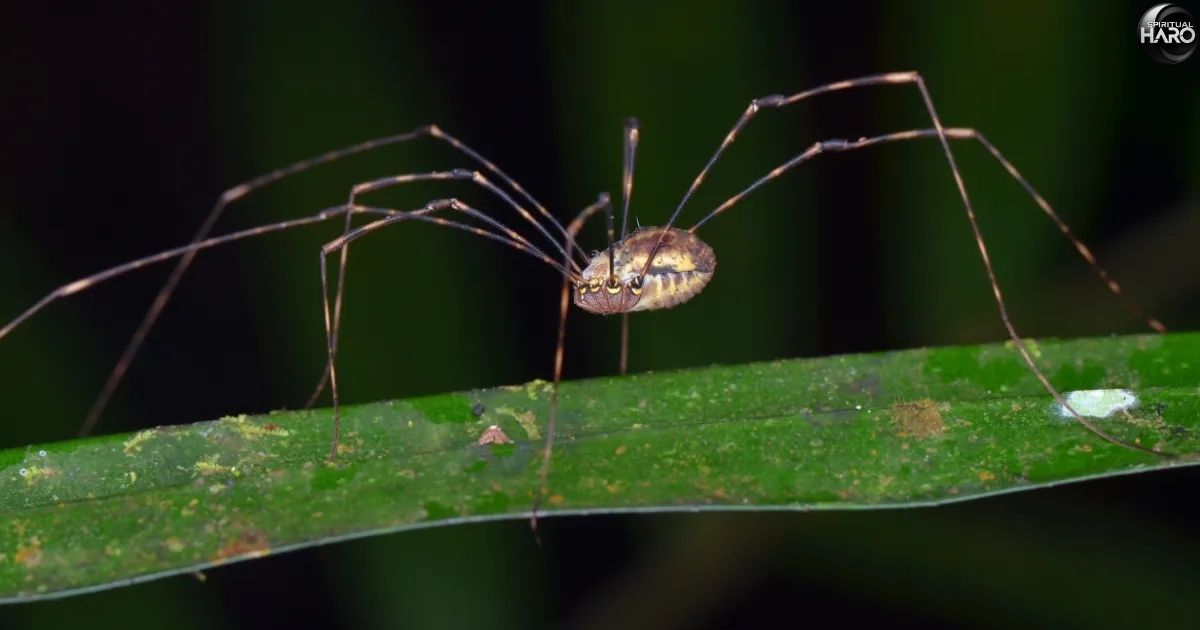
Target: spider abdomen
<point>682,266</point>
<point>668,289</point>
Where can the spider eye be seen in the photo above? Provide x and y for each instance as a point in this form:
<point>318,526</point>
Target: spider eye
<point>636,282</point>
<point>612,282</point>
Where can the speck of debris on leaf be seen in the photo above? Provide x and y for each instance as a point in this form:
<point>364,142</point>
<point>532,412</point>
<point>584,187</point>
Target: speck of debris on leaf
<point>919,418</point>
<point>494,435</point>
<point>135,443</point>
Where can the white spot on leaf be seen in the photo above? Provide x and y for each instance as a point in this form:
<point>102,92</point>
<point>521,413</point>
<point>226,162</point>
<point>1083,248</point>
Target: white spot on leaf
<point>1098,403</point>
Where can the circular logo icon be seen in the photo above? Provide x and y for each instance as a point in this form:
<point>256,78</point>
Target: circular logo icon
<point>1167,33</point>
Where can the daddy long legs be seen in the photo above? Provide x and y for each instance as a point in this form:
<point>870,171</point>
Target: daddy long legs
<point>644,269</point>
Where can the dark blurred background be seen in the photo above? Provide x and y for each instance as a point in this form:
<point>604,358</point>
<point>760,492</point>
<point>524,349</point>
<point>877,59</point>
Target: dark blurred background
<point>123,122</point>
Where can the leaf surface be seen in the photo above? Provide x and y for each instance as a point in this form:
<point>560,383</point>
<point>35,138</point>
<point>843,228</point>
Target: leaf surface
<point>898,429</point>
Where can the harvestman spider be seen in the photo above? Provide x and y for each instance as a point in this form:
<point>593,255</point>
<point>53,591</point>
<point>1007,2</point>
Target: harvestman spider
<point>650,268</point>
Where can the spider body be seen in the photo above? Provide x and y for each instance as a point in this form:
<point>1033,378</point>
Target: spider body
<point>682,267</point>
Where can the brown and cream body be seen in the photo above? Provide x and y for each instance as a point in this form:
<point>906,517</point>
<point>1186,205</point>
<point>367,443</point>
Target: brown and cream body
<point>681,268</point>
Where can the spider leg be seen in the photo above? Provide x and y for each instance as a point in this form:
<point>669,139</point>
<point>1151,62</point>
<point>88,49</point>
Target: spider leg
<point>602,203</point>
<point>244,189</point>
<point>778,101</point>
<point>424,214</point>
<point>900,78</point>
<point>87,282</point>
<point>965,134</point>
<point>630,155</point>
<point>953,133</point>
<point>398,180</point>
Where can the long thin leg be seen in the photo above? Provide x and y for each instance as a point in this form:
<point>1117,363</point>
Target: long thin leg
<point>893,79</point>
<point>624,364</point>
<point>776,100</point>
<point>564,301</point>
<point>168,288</point>
<point>398,180</point>
<point>475,177</point>
<point>630,157</point>
<point>82,284</point>
<point>991,274</point>
<point>241,191</point>
<point>955,133</point>
<point>631,142</point>
<point>437,132</point>
<point>423,214</point>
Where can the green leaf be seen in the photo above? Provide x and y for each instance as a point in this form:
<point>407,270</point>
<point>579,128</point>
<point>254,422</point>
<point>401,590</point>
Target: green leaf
<point>898,429</point>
